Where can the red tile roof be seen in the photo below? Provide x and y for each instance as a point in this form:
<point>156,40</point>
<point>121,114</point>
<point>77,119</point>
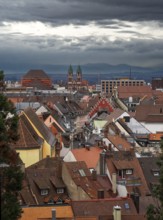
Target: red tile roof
<point>83,154</point>
<point>102,104</point>
<point>120,143</point>
<point>155,137</point>
<point>82,177</point>
<point>26,139</point>
<point>149,113</point>
<point>45,212</point>
<point>104,207</point>
<point>124,160</point>
<point>134,91</point>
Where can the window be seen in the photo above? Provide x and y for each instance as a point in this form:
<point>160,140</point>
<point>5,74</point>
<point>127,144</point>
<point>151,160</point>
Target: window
<point>127,205</point>
<point>82,173</point>
<point>60,190</point>
<point>44,192</point>
<point>129,171</point>
<point>156,173</point>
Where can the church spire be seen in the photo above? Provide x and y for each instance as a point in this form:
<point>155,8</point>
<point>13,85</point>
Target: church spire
<point>70,71</point>
<point>79,74</point>
<point>70,75</point>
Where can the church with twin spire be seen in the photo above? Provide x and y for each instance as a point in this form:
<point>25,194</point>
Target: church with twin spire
<point>76,82</point>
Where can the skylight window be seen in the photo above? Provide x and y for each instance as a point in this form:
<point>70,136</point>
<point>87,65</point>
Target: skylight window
<point>82,173</point>
<point>127,206</point>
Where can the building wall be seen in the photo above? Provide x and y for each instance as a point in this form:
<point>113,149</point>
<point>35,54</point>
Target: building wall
<point>29,82</point>
<point>46,147</point>
<point>107,86</point>
<point>69,157</point>
<point>29,156</point>
<point>157,83</point>
<point>75,192</point>
<point>45,212</point>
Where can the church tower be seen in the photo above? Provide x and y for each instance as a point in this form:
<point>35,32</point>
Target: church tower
<point>79,76</point>
<point>70,76</point>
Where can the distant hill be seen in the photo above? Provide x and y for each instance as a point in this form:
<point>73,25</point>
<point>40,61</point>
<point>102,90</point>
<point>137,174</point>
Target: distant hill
<point>91,71</point>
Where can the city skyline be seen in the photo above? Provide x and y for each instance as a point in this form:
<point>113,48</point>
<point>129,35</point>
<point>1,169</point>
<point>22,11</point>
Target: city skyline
<point>53,32</point>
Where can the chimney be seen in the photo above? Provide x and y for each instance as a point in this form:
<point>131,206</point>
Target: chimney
<point>114,183</point>
<point>100,194</point>
<point>136,201</point>
<point>109,147</point>
<point>87,147</point>
<point>102,163</point>
<point>117,212</point>
<point>135,198</point>
<point>94,175</point>
<point>53,214</point>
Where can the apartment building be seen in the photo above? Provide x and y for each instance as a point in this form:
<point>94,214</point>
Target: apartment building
<point>107,86</point>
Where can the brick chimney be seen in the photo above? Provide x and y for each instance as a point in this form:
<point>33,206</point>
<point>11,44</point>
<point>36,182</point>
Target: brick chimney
<point>102,163</point>
<point>117,212</point>
<point>135,198</point>
<point>94,175</point>
<point>114,183</point>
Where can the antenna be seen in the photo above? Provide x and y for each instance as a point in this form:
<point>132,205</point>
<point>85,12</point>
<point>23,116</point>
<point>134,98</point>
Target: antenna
<point>130,72</point>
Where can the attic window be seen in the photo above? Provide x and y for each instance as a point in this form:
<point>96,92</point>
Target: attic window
<point>155,172</point>
<point>61,190</point>
<point>82,173</point>
<point>128,171</point>
<point>44,192</point>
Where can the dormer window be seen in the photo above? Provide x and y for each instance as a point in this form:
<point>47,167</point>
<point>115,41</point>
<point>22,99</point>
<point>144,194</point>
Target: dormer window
<point>156,172</point>
<point>43,186</point>
<point>44,192</point>
<point>61,190</point>
<point>129,171</point>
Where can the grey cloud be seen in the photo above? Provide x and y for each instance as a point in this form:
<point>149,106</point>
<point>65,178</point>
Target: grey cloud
<point>71,11</point>
<point>110,14</point>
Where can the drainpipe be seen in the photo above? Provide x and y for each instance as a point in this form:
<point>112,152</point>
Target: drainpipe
<point>34,196</point>
<point>53,214</point>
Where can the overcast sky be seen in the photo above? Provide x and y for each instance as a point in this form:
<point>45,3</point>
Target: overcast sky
<point>39,32</point>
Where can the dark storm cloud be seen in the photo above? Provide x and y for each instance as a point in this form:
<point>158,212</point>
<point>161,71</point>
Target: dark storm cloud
<point>70,11</point>
<point>112,46</point>
<point>37,52</point>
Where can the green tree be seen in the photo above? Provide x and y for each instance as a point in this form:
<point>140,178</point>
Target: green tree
<point>10,170</point>
<point>155,212</point>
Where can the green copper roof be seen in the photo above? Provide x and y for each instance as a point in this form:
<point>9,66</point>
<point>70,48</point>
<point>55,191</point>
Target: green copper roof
<point>70,70</point>
<point>79,70</point>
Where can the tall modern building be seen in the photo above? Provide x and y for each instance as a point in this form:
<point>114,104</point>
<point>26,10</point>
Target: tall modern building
<point>107,86</point>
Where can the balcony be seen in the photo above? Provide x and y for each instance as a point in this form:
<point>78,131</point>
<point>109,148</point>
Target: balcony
<point>129,181</point>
